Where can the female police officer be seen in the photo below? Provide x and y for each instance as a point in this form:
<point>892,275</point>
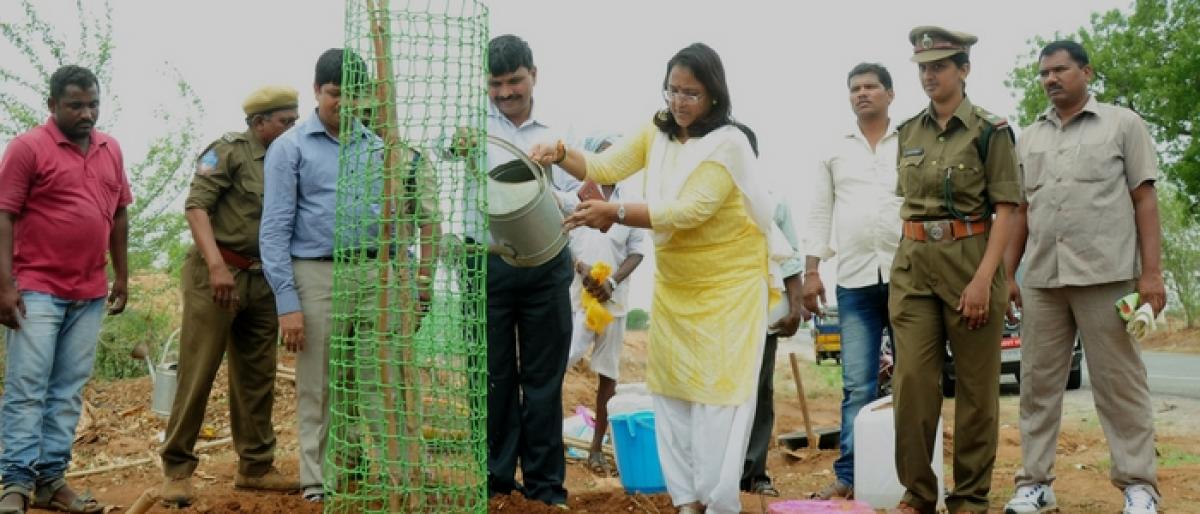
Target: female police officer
<point>958,179</point>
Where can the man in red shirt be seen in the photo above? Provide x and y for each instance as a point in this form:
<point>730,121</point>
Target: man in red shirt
<point>63,194</point>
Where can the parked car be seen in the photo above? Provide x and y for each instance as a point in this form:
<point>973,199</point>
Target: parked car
<point>827,336</point>
<point>1010,360</point>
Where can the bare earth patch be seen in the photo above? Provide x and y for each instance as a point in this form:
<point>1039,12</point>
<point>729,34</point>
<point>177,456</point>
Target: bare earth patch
<point>124,430</point>
<point>1186,340</point>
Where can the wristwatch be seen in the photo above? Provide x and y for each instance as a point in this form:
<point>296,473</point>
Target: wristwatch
<point>612,284</point>
<point>621,212</point>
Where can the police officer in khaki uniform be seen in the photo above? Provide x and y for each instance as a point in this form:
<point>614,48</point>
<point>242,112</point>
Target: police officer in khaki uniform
<point>958,179</point>
<point>228,305</point>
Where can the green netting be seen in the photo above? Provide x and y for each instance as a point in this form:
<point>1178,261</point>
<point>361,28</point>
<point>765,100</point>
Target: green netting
<point>408,354</point>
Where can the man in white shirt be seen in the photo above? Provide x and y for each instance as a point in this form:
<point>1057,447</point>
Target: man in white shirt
<point>528,309</point>
<point>855,198</point>
<point>622,248</point>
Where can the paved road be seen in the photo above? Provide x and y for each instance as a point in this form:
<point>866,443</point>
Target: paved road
<point>1173,374</point>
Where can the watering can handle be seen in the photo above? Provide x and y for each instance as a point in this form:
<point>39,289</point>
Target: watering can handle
<point>541,171</point>
<point>162,357</point>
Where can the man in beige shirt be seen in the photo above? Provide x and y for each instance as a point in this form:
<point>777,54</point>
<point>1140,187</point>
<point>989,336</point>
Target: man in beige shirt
<point>1089,228</point>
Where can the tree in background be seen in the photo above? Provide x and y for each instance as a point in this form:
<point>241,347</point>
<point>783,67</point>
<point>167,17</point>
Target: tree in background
<point>637,319</point>
<point>159,176</point>
<point>1181,250</point>
<point>1147,60</point>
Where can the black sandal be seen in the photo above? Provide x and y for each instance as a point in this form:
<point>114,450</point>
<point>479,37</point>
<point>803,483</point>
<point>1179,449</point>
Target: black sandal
<point>765,488</point>
<point>44,498</point>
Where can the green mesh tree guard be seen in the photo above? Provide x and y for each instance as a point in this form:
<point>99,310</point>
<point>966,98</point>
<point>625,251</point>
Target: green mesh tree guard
<point>408,351</point>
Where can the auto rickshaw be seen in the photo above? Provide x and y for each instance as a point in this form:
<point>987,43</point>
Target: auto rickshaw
<point>827,336</point>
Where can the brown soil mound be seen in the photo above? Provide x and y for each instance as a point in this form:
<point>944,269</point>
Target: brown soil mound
<point>593,502</point>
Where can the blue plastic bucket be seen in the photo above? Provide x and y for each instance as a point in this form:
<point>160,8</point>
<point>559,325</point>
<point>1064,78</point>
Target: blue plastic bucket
<point>637,452</point>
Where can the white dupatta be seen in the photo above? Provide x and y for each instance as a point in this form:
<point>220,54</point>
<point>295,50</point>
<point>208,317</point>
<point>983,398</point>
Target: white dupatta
<point>729,147</point>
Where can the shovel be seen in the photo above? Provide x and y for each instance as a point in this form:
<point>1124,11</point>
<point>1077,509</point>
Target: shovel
<point>825,438</point>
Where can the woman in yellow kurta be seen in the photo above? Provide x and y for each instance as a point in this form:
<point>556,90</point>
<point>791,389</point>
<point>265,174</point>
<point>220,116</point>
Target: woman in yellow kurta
<point>711,222</point>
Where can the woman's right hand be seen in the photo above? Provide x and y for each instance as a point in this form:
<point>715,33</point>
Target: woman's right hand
<point>973,304</point>
<point>597,214</point>
<point>545,153</point>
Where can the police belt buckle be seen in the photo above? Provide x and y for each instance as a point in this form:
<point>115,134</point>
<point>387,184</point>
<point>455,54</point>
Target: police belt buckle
<point>935,230</point>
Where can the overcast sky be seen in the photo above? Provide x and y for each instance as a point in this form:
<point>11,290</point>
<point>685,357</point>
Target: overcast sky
<point>600,63</point>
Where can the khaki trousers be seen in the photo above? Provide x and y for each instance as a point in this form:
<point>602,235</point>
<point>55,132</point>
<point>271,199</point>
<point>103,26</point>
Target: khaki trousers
<point>927,280</point>
<point>248,334</point>
<point>360,396</point>
<point>314,284</point>
<point>1118,380</point>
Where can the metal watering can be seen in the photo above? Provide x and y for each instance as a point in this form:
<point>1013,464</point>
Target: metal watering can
<point>163,376</point>
<point>523,215</point>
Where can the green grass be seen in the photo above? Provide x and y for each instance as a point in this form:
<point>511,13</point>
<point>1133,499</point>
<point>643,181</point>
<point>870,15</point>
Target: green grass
<point>830,377</point>
<point>1172,457</point>
<point>151,316</point>
<point>819,381</point>
<point>120,334</point>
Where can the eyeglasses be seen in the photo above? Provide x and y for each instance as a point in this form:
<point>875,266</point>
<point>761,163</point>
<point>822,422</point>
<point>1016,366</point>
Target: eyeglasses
<point>680,97</point>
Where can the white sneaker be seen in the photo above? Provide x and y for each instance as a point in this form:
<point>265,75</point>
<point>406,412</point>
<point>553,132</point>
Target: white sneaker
<point>1032,499</point>
<point>314,494</point>
<point>1139,500</point>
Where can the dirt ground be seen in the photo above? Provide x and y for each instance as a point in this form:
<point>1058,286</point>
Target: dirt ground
<point>123,430</point>
<point>1082,482</point>
<point>1184,340</point>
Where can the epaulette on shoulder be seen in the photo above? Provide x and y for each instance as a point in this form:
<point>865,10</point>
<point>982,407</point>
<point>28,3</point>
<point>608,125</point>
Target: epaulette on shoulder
<point>911,119</point>
<point>233,137</point>
<point>211,146</point>
<point>995,121</point>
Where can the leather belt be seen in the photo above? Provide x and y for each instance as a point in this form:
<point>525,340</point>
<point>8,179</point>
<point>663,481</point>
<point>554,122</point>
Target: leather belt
<point>370,254</point>
<point>238,260</point>
<point>943,230</point>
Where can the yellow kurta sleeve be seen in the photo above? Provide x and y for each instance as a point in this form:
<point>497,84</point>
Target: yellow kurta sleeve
<point>625,158</point>
<point>702,195</point>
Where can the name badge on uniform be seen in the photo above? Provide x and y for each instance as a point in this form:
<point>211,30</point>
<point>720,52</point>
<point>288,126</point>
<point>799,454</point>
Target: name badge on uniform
<point>913,152</point>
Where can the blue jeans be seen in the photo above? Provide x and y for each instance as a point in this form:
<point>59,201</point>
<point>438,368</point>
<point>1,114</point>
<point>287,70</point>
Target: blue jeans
<point>863,316</point>
<point>49,360</point>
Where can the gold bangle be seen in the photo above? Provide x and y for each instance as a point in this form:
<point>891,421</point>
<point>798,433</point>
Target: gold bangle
<point>560,148</point>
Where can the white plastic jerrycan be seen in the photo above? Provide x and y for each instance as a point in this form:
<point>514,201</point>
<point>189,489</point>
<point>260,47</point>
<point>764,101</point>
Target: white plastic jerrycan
<point>875,479</point>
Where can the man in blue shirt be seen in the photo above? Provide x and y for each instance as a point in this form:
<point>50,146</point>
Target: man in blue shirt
<point>297,241</point>
<point>528,310</point>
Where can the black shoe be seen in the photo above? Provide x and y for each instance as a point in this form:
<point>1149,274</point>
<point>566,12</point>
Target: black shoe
<point>765,488</point>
